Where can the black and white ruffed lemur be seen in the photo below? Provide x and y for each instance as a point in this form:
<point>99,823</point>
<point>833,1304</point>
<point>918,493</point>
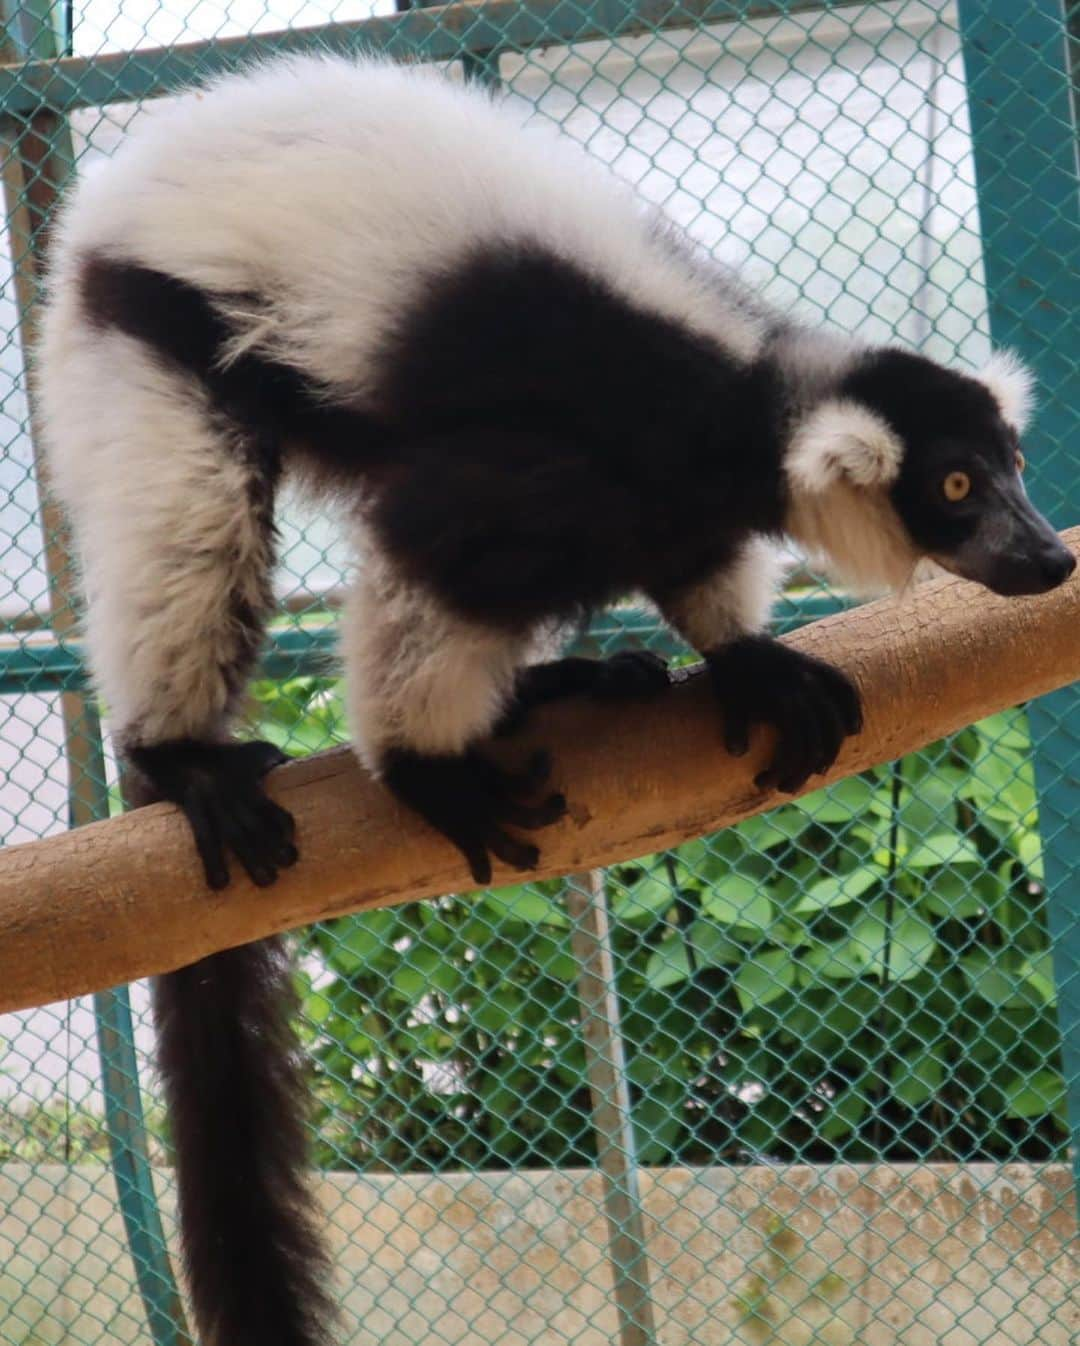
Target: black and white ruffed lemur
<point>533,396</point>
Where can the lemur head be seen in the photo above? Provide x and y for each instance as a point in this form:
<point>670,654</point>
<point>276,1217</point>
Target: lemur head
<point>909,460</point>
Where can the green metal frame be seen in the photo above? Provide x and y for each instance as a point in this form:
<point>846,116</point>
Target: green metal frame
<point>438,33</point>
<point>1023,124</point>
<point>310,649</point>
<point>1028,197</point>
<point>31,30</point>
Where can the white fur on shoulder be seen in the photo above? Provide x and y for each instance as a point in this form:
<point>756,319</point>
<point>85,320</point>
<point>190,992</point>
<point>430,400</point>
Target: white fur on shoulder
<point>841,440</point>
<point>1012,386</point>
<point>397,173</point>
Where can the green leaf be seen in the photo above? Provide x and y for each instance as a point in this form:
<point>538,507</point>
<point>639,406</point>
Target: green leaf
<point>499,1009</point>
<point>695,858</point>
<point>917,1079</point>
<point>668,965</point>
<point>657,1120</point>
<point>765,978</point>
<point>1039,980</point>
<point>1007,728</point>
<point>952,895</point>
<point>845,1113</point>
<point>910,949</point>
<point>768,830</point>
<point>738,901</point>
<point>419,971</point>
<point>1007,980</point>
<point>837,890</point>
<point>554,958</point>
<point>524,904</point>
<point>843,802</point>
<point>317,1008</point>
<point>713,946</point>
<point>920,816</point>
<point>943,848</point>
<point>359,943</point>
<point>837,960</point>
<point>1035,1095</point>
<point>1029,852</point>
<point>645,1069</point>
<point>1003,779</point>
<point>646,900</point>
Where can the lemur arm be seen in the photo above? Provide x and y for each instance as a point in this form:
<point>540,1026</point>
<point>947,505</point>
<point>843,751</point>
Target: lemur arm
<point>757,680</point>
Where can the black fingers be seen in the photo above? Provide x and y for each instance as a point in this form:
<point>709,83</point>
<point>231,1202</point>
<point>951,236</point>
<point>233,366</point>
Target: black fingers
<point>812,705</point>
<point>499,780</point>
<point>736,727</point>
<point>219,788</point>
<point>628,675</point>
<point>467,798</point>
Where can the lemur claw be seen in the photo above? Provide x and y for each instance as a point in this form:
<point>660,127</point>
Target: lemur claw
<point>467,798</point>
<point>813,706</point>
<point>219,788</point>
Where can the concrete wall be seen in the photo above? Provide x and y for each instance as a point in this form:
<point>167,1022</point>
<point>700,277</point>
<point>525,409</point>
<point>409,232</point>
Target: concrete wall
<point>935,1255</point>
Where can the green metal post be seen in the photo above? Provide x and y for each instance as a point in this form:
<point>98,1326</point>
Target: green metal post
<point>1023,123</point>
<point>38,158</point>
<point>132,1171</point>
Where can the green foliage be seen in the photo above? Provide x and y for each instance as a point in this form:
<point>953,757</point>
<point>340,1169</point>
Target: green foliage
<point>54,1132</point>
<point>301,715</point>
<point>862,972</point>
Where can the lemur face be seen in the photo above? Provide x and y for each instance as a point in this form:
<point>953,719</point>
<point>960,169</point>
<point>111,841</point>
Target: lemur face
<point>957,485</point>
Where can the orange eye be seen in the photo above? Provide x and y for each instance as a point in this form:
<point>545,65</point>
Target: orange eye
<point>1021,461</point>
<point>956,485</point>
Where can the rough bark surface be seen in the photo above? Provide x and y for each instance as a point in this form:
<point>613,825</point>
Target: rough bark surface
<point>123,899</point>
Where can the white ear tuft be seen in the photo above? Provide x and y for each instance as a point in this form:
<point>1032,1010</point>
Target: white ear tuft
<point>843,440</point>
<point>1012,386</point>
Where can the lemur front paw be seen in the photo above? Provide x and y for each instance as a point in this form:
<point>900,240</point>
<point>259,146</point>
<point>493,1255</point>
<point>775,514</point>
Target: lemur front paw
<point>467,798</point>
<point>219,788</point>
<point>813,706</point>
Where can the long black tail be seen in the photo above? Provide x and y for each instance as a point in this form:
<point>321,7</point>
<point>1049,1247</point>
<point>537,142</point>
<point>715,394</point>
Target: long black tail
<point>236,1092</point>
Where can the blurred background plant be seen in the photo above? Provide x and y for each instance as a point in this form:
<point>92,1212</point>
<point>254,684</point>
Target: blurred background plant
<point>862,973</point>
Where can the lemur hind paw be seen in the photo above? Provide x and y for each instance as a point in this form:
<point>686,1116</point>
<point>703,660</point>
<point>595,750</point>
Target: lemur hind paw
<point>813,706</point>
<point>467,798</point>
<point>219,788</point>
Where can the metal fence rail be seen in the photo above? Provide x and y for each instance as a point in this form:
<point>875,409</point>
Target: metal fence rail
<point>881,981</point>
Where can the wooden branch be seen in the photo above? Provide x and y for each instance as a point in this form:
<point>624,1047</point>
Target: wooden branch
<point>118,900</point>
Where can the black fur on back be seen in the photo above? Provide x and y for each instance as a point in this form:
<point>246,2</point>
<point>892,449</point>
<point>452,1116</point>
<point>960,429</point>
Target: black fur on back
<point>237,1097</point>
<point>563,446</point>
<point>538,444</point>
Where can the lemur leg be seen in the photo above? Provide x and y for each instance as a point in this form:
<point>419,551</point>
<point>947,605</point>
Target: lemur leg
<point>757,680</point>
<point>172,514</point>
<point>424,688</point>
<point>625,676</point>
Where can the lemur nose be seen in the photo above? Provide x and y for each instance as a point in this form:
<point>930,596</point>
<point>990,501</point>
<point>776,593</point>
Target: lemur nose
<point>1057,564</point>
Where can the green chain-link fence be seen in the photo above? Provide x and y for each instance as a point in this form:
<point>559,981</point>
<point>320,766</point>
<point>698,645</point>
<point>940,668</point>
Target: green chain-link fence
<point>807,1080</point>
